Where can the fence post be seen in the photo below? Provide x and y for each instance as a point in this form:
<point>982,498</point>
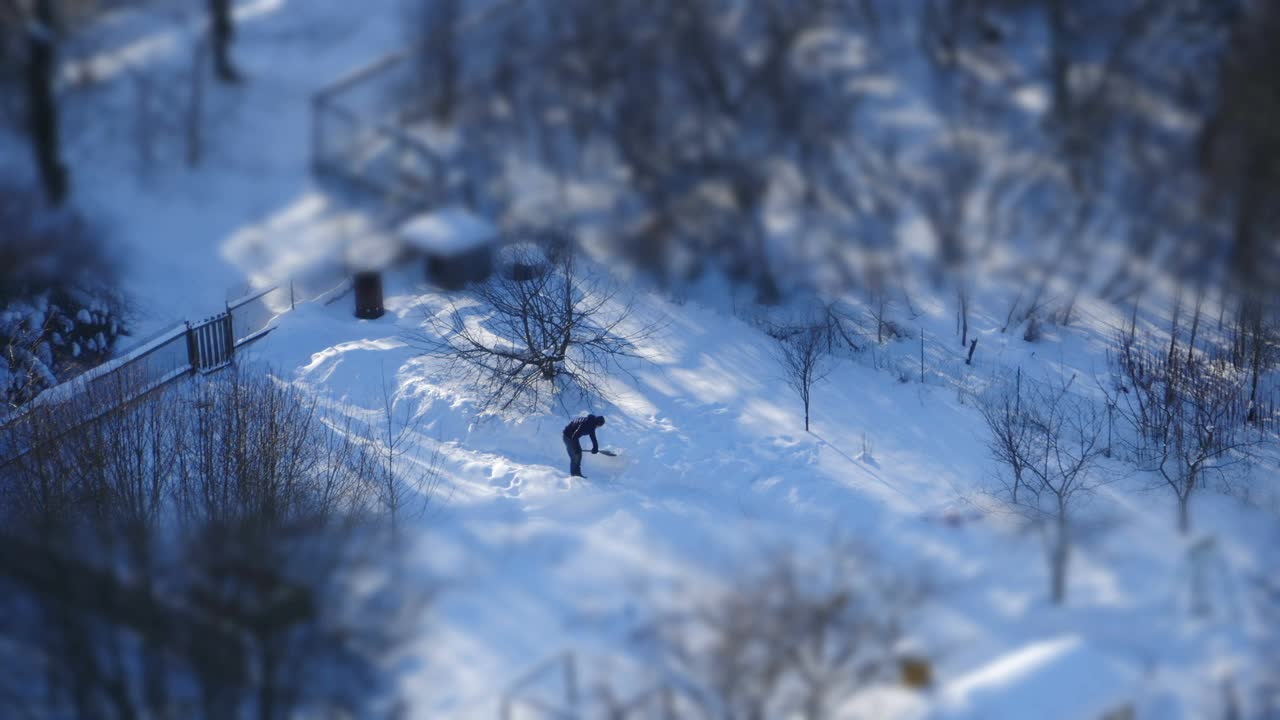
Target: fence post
<point>193,353</point>
<point>231,335</point>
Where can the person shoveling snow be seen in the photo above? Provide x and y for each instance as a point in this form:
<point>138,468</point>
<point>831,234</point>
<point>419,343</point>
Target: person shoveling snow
<point>573,434</point>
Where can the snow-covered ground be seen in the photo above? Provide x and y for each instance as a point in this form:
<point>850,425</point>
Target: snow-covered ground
<point>715,464</point>
<point>717,467</point>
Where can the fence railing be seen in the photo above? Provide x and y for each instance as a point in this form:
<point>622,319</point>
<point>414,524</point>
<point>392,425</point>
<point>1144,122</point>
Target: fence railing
<point>184,349</point>
<point>251,315</point>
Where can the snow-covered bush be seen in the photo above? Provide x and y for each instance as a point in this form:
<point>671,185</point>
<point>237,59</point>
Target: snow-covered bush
<point>59,310</point>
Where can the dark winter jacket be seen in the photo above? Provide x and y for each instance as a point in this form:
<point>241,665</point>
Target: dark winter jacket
<point>583,427</point>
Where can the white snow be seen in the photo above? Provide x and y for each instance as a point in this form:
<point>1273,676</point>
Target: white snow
<point>716,466</point>
<point>448,231</point>
<point>1062,678</point>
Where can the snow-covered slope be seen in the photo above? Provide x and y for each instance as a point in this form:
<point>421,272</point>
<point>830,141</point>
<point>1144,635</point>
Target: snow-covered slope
<point>717,469</point>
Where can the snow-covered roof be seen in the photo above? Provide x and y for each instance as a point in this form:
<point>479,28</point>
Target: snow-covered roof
<point>522,252</point>
<point>448,231</point>
<point>1057,679</point>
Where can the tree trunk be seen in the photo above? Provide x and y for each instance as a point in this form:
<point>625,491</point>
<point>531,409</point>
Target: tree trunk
<point>1257,330</point>
<point>1195,326</point>
<point>195,109</point>
<point>267,690</point>
<point>42,106</point>
<point>1060,556</point>
<point>1184,501</point>
<point>223,28</point>
<point>1184,513</point>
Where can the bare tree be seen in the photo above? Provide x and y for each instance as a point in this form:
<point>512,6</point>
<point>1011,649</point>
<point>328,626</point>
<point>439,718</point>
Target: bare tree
<point>402,493</point>
<point>434,32</point>
<point>171,101</point>
<point>1255,347</point>
<point>804,355</point>
<point>222,27</point>
<point>843,326</point>
<point>194,551</point>
<point>1010,441</point>
<point>752,97</point>
<point>1049,439</point>
<point>42,104</point>
<point>709,113</point>
<point>1238,149</point>
<point>792,639</point>
<point>525,340</point>
<point>1186,412</point>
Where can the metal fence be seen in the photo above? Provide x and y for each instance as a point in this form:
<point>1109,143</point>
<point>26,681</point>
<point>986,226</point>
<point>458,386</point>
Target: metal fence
<point>204,346</point>
<point>251,315</point>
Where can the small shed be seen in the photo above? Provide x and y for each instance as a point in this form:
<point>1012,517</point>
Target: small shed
<point>457,245</point>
